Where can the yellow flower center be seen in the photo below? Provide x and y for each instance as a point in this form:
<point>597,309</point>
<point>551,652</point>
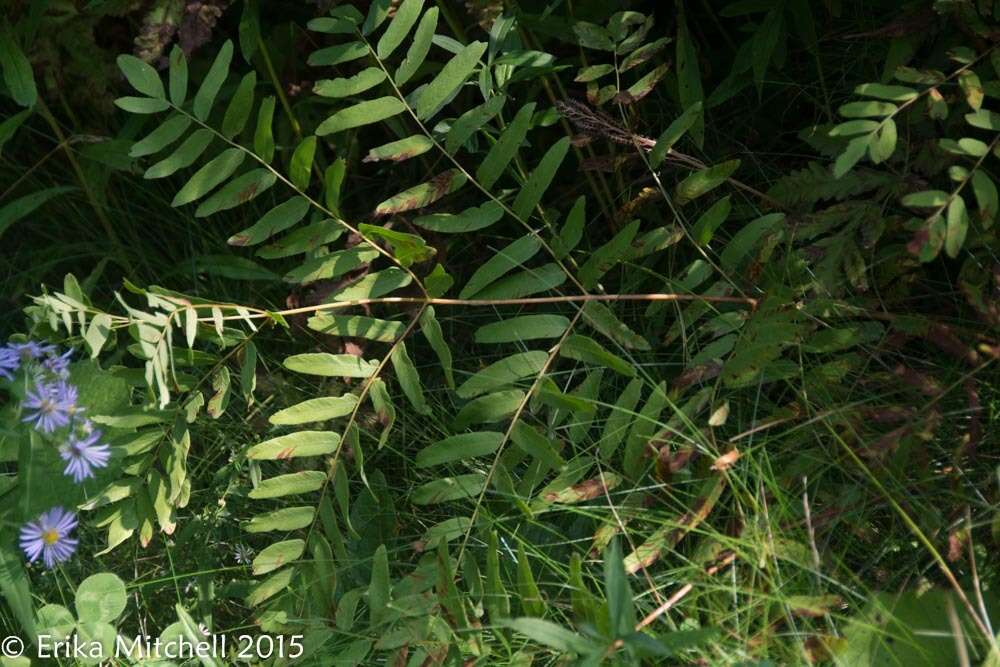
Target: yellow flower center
<point>50,536</point>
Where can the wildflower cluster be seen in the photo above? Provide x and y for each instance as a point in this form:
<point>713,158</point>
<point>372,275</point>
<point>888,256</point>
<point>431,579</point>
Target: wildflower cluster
<point>51,406</point>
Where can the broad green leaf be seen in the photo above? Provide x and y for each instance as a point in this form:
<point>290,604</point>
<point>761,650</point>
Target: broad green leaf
<point>855,150</point>
<point>504,372</point>
<point>357,326</point>
<point>10,125</point>
<point>704,181</point>
<point>525,283</point>
<point>593,72</point>
<point>54,620</point>
<point>469,220</point>
<point>294,445</point>
<point>958,226</point>
<point>239,107</point>
<point>359,83</point>
<point>333,179</point>
<point>408,249</point>
<point>303,240</point>
<point>867,109</point>
<point>604,258</point>
<point>529,596</point>
<point>646,52</point>
<point>419,47</point>
<point>384,409</point>
<point>572,229</point>
<point>620,418</point>
<point>589,351</point>
<point>330,266</point>
<point>16,67</point>
<point>249,29</point>
<point>551,635</point>
<point>100,597</point>
<point>409,378</point>
<point>526,327</point>
<point>438,282</point>
<point>315,409</point>
<point>290,484</point>
<point>238,191</point>
<point>744,240</point>
<point>97,636</point>
<point>338,54</point>
<point>513,255</point>
<point>704,227</point>
<point>379,585</point>
<point>458,447</point>
<point>536,445</point>
<point>929,239</point>
<point>300,167</point>
<point>645,426</point>
<point>210,175</point>
<point>378,12</point>
<point>471,121</point>
<point>263,139</point>
<point>926,199</point>
<point>540,179</point>
<point>330,365</point>
<point>448,489</point>
<point>621,611</point>
<point>363,113</point>
<point>170,131</point>
<point>643,86</point>
<point>886,92</point>
<point>504,150</point>
<point>21,207</point>
<point>15,585</point>
<point>398,151</point>
<point>142,105</point>
<point>496,600</point>
<point>178,76</point>
<point>764,43</point>
<point>674,132</point>
<point>210,85</point>
<point>406,15</point>
<point>424,194</point>
<point>986,197</point>
<point>603,320</point>
<point>592,36</point>
<point>970,84</point>
<point>853,127</point>
<point>141,76</point>
<point>284,519</point>
<point>374,285</point>
<point>431,330</point>
<point>264,591</point>
<point>278,219</point>
<point>277,555</point>
<point>336,25</point>
<point>436,93</point>
<point>984,119</point>
<point>884,143</point>
<point>488,409</point>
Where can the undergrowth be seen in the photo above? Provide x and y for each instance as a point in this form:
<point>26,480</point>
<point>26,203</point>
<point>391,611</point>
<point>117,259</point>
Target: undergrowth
<point>424,333</point>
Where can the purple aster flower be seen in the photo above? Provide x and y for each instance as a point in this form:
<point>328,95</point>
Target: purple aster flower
<point>83,454</point>
<point>58,364</point>
<point>31,349</point>
<point>10,361</point>
<point>53,403</point>
<point>48,536</point>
